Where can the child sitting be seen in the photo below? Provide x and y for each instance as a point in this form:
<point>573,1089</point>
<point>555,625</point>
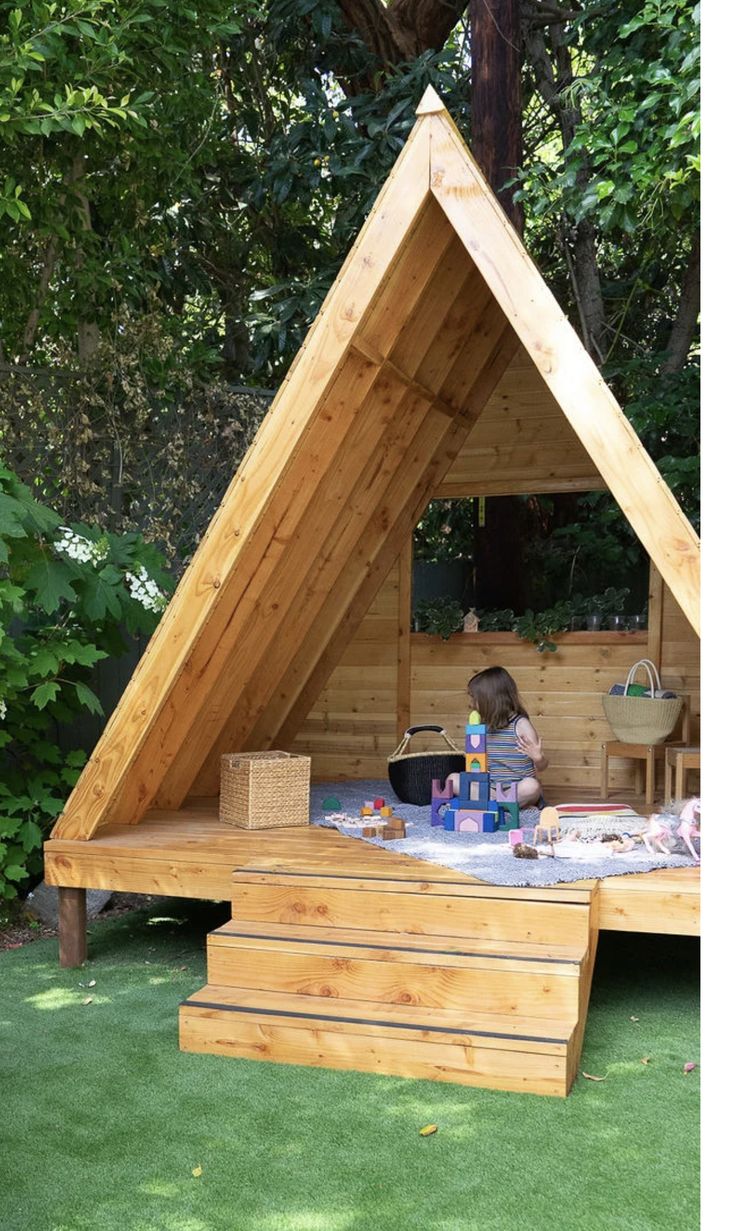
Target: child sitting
<point>513,747</point>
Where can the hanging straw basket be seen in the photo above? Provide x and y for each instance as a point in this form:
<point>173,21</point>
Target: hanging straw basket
<point>264,790</point>
<point>642,720</point>
<point>411,773</point>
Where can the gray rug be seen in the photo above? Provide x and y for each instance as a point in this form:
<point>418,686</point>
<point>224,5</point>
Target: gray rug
<point>486,856</point>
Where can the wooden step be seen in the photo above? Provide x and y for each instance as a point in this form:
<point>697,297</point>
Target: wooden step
<point>499,1051</point>
<point>411,906</point>
<point>353,964</point>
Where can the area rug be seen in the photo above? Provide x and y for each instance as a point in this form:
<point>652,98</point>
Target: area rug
<point>486,856</point>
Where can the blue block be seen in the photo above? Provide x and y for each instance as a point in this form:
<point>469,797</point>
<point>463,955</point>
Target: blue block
<point>476,728</point>
<point>479,746</point>
<point>483,793</point>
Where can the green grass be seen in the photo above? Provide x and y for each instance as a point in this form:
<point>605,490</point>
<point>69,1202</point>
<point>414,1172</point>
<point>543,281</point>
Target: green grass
<point>104,1119</point>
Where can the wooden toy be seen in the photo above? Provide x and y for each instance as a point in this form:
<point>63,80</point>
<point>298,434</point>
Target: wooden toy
<point>441,795</point>
<point>378,804</point>
<point>368,803</point>
<point>507,799</point>
<point>386,810</point>
<point>474,789</point>
<point>365,811</point>
<point>689,826</point>
<point>476,762</point>
<point>475,741</point>
<point>470,621</point>
<point>549,824</point>
<point>370,831</point>
<point>459,819</point>
<point>474,719</point>
<point>395,830</point>
<point>516,836</point>
<point>331,804</point>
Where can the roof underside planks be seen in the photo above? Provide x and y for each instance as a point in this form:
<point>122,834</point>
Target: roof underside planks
<point>403,358</point>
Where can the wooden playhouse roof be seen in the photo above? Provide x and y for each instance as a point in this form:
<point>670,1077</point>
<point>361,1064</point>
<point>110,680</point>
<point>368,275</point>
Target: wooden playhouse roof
<point>434,302</point>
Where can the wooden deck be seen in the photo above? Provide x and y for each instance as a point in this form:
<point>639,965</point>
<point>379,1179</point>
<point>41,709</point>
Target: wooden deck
<point>190,854</point>
<point>348,956</point>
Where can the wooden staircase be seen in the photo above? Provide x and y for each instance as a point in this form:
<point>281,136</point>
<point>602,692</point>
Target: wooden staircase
<point>478,984</point>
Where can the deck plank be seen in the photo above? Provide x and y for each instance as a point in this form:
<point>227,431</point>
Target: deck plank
<point>189,853</point>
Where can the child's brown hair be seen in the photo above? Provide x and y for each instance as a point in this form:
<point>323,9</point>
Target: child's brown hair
<point>496,697</point>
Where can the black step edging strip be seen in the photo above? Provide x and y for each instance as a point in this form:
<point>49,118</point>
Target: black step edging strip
<point>359,944</point>
<point>367,1021</point>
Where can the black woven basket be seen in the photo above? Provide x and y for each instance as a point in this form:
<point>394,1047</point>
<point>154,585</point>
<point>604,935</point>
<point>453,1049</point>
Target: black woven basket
<point>411,773</point>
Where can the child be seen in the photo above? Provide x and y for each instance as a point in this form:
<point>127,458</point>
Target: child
<point>514,749</point>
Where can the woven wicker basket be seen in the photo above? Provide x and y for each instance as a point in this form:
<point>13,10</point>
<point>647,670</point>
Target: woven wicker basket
<point>264,790</point>
<point>642,720</point>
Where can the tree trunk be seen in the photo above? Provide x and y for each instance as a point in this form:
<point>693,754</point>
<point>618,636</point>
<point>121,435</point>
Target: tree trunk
<point>686,317</point>
<point>495,39</point>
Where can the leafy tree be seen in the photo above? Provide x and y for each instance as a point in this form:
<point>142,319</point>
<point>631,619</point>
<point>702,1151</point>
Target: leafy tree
<point>67,595</point>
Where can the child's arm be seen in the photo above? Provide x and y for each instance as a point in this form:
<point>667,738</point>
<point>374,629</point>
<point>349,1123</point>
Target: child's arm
<point>529,742</point>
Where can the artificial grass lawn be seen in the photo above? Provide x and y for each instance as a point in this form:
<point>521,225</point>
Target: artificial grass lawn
<point>105,1120</point>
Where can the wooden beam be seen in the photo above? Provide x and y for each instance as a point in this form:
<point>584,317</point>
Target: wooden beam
<point>403,641</point>
<point>72,926</point>
<point>362,347</point>
<point>212,577</point>
<point>568,370</point>
<point>655,607</point>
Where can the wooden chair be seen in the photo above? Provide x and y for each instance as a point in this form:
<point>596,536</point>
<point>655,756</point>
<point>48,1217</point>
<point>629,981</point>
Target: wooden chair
<point>677,762</point>
<point>649,754</point>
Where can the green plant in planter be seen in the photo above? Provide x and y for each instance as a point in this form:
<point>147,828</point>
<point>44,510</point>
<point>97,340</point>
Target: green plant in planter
<point>439,616</point>
<point>496,621</point>
<point>539,627</point>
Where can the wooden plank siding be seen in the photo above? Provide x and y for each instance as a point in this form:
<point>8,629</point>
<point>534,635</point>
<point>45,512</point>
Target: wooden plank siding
<point>351,729</point>
<point>522,436</point>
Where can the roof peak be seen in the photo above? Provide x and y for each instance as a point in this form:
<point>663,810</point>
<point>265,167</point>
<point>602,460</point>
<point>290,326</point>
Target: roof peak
<point>430,102</point>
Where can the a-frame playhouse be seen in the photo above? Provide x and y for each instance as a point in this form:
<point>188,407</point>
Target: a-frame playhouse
<point>339,953</point>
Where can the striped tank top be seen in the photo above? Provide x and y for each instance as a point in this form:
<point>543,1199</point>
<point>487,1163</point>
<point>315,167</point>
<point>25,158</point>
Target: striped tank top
<point>506,763</point>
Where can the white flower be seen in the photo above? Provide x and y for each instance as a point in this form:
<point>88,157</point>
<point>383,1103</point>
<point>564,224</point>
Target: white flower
<point>144,590</point>
<point>76,547</point>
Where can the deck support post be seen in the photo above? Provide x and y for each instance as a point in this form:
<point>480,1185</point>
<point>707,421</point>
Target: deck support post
<point>72,926</point>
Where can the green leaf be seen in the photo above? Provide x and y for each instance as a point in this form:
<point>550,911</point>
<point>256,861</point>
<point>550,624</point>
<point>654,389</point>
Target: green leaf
<point>44,694</point>
<point>88,699</point>
<point>50,582</point>
<point>14,872</point>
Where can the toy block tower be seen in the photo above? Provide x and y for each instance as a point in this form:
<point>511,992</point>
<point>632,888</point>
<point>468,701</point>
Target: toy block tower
<point>472,810</point>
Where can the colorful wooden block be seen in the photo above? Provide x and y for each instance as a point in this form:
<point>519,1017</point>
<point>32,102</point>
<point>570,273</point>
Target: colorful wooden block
<point>386,810</point>
<point>441,795</point>
<point>459,819</point>
<point>370,831</point>
<point>366,811</point>
<point>331,804</point>
<point>379,803</point>
<point>475,742</point>
<point>475,788</point>
<point>508,814</point>
<point>516,836</point>
<point>475,728</point>
<point>476,763</point>
<point>474,719</point>
<point>391,832</point>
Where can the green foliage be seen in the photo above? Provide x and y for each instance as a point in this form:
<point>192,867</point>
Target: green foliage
<point>445,532</point>
<point>439,616</point>
<point>67,596</point>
